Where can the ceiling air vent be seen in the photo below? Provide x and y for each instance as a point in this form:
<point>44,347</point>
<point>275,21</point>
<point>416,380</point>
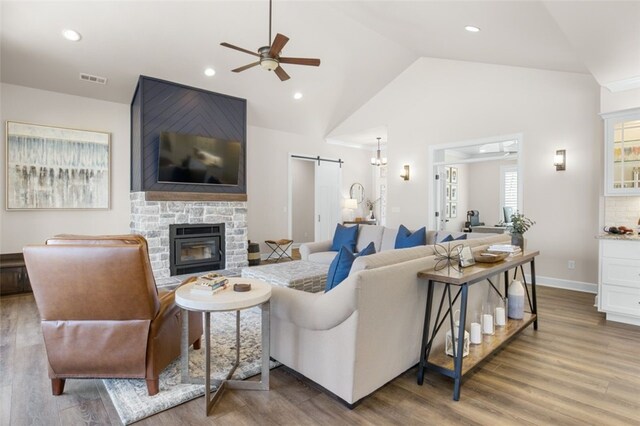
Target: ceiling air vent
<point>93,78</point>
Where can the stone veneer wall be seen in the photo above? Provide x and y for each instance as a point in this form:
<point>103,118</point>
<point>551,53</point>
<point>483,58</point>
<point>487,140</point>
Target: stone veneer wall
<point>151,219</point>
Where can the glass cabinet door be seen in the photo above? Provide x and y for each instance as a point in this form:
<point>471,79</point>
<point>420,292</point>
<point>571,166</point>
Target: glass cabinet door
<point>622,153</point>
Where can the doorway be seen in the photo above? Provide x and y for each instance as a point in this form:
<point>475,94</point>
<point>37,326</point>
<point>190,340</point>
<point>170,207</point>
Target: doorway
<point>467,177</point>
<point>314,198</point>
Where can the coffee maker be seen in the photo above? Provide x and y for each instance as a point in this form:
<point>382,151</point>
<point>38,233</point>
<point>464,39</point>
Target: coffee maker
<point>473,219</point>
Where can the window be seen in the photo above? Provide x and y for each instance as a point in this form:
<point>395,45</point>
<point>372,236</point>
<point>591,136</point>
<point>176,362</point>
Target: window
<point>508,187</point>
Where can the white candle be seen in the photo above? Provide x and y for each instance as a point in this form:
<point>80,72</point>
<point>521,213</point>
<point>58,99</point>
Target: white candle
<point>487,324</point>
<point>500,316</point>
<point>476,333</point>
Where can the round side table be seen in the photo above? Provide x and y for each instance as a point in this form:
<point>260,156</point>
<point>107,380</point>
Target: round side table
<point>226,300</point>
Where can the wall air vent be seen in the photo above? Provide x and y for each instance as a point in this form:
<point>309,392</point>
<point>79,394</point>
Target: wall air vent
<point>93,78</point>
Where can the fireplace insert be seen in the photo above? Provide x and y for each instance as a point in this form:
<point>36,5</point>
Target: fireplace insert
<point>196,248</point>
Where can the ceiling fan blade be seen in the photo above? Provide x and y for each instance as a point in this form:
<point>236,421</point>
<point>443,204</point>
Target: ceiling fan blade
<point>231,46</point>
<point>246,67</point>
<point>282,74</point>
<point>300,61</point>
<point>278,43</point>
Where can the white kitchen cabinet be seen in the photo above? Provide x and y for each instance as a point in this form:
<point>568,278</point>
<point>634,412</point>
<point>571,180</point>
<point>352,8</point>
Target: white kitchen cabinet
<point>619,281</point>
<point>622,152</point>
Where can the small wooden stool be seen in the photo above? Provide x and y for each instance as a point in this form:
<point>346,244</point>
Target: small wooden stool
<point>279,249</point>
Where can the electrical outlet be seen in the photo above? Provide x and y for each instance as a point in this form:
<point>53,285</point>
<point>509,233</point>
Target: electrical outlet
<point>571,264</point>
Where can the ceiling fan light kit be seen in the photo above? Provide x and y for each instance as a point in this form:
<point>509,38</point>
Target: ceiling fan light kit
<point>269,56</point>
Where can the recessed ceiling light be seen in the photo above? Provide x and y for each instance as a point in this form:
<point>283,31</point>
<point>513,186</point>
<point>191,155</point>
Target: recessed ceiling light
<point>297,95</point>
<point>71,35</point>
<point>209,72</point>
<point>472,29</point>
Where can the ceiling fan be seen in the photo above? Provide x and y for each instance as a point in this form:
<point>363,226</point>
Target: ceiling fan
<point>270,58</point>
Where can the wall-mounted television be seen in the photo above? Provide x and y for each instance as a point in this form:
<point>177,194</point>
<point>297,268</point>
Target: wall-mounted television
<point>193,159</point>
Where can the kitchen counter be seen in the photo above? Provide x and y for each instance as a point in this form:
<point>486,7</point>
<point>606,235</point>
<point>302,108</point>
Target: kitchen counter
<point>634,237</point>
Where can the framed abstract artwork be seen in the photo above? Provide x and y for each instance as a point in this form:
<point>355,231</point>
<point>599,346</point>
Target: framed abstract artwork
<point>56,168</point>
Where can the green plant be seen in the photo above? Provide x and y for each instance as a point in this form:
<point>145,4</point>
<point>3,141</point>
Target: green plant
<point>519,223</point>
<point>371,204</point>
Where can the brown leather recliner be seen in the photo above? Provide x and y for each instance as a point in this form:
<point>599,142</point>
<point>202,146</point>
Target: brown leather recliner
<point>101,313</point>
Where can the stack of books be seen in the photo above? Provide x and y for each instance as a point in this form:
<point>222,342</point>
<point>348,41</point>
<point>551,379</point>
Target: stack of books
<point>505,248</point>
<point>209,284</point>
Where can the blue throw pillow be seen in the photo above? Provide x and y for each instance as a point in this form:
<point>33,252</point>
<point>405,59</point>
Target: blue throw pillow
<point>370,249</point>
<point>447,239</point>
<point>341,265</point>
<point>406,239</point>
<point>345,236</point>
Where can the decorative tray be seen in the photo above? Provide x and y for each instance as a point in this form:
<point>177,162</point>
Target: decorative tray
<point>486,257</point>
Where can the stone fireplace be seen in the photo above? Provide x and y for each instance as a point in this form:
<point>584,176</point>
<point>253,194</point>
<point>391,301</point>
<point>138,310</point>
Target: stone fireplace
<point>152,220</point>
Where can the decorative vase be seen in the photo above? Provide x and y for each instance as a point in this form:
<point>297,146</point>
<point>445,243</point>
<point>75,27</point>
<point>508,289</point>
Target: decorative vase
<point>516,299</point>
<point>518,240</point>
<point>371,217</point>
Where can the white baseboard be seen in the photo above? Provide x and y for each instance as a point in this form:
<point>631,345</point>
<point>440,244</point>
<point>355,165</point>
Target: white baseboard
<point>566,284</point>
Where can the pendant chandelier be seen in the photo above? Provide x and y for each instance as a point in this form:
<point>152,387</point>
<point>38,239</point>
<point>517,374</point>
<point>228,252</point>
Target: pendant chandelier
<point>378,160</point>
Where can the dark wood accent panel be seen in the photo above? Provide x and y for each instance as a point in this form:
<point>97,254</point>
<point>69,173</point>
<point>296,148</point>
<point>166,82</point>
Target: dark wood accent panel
<point>192,196</point>
<point>136,145</point>
<point>161,106</point>
<point>13,274</point>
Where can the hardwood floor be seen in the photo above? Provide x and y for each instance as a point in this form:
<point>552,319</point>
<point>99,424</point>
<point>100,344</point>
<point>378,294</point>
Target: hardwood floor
<point>577,369</point>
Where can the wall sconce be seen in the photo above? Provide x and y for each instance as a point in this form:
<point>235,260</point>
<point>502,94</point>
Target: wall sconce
<point>405,173</point>
<point>560,160</point>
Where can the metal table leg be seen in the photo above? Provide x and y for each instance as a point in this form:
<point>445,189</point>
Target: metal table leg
<point>460,348</point>
<point>533,293</point>
<point>425,333</point>
<point>211,398</point>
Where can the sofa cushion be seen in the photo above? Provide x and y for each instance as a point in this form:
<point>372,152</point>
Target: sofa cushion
<point>388,239</point>
<point>390,257</point>
<point>324,257</point>
<point>367,234</point>
<point>407,239</point>
<point>341,265</point>
<point>345,236</point>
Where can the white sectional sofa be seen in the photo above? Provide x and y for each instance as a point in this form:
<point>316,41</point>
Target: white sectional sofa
<point>367,330</point>
<point>383,238</point>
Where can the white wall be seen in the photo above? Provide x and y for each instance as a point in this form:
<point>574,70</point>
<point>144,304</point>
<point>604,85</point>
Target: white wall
<point>484,190</point>
<point>19,228</point>
<point>303,200</point>
<point>267,177</point>
<point>610,102</point>
<point>438,101</point>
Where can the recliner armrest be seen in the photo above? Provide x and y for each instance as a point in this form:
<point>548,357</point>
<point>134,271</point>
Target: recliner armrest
<point>314,311</point>
<point>307,248</point>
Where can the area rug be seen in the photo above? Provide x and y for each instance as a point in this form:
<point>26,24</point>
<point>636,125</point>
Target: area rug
<point>130,396</point>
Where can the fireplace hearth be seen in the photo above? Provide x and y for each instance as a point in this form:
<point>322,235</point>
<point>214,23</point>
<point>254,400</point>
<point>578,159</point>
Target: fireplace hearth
<point>196,248</point>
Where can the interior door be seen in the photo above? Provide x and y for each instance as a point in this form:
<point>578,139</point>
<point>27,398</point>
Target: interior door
<point>439,198</point>
<point>328,178</point>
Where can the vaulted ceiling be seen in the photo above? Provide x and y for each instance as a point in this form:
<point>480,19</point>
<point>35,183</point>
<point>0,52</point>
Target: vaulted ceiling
<point>363,45</point>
